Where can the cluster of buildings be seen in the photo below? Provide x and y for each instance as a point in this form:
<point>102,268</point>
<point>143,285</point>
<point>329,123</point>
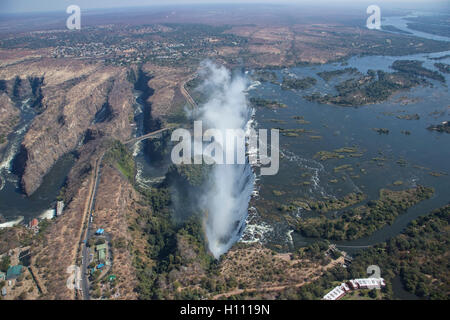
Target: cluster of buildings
<point>34,225</point>
<point>365,283</point>
<point>101,255</point>
<point>11,274</point>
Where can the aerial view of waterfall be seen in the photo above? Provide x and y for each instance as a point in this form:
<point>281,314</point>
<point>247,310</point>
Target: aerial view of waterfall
<point>223,151</point>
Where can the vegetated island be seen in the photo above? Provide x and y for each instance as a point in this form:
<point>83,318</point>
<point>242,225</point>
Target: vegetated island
<point>264,103</point>
<point>298,84</point>
<point>415,68</point>
<point>378,86</point>
<point>443,127</point>
<point>365,219</point>
<point>328,75</point>
<point>265,76</point>
<point>443,67</point>
<point>325,205</point>
<point>351,152</point>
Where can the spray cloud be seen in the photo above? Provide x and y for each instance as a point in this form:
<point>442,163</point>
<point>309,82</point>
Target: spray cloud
<point>226,200</point>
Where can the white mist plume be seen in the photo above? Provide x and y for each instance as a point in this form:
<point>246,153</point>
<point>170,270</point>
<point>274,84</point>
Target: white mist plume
<point>226,201</point>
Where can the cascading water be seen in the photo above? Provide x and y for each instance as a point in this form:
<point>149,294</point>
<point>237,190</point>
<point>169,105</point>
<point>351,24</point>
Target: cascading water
<point>15,139</point>
<point>226,201</point>
<point>14,206</point>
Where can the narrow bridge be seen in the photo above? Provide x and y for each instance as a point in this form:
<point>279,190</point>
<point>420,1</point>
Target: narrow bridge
<point>148,135</point>
<point>82,250</point>
<point>354,247</point>
<point>190,101</point>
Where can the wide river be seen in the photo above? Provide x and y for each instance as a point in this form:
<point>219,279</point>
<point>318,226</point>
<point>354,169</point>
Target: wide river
<point>407,158</point>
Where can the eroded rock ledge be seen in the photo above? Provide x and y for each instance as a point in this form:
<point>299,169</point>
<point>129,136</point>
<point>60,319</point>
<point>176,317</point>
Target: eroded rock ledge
<point>72,94</point>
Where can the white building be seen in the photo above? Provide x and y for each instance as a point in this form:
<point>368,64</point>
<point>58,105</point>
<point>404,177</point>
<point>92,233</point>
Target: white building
<point>367,283</point>
<point>59,208</point>
<point>337,292</point>
<point>341,290</point>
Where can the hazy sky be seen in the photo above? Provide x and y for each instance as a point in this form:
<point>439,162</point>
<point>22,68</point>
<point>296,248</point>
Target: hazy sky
<point>8,6</point>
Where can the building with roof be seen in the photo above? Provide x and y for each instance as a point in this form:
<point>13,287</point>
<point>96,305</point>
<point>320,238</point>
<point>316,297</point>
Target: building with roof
<point>102,255</point>
<point>99,231</point>
<point>13,272</point>
<point>355,284</point>
<point>337,293</point>
<point>2,276</point>
<point>34,223</point>
<point>59,208</point>
<point>367,283</point>
<point>102,246</point>
<point>101,250</point>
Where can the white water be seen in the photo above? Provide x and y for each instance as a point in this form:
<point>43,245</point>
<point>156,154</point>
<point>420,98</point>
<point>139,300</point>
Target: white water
<point>48,214</point>
<point>10,224</point>
<point>231,186</point>
<point>256,231</point>
<point>13,147</point>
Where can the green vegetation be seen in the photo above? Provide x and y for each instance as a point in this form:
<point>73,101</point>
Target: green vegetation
<point>344,167</point>
<point>418,256</point>
<point>443,127</point>
<point>376,86</point>
<point>302,121</point>
<point>292,132</point>
<point>278,193</point>
<point>366,219</point>
<point>443,67</point>
<point>263,103</point>
<point>265,76</point>
<point>14,237</point>
<point>5,263</point>
<point>169,248</point>
<point>190,175</point>
<point>437,174</point>
<point>414,68</point>
<point>381,130</point>
<point>414,116</point>
<point>119,156</point>
<point>327,75</point>
<point>340,153</point>
<point>302,84</point>
<point>336,204</point>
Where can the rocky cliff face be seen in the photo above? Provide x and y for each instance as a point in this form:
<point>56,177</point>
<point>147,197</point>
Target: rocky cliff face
<point>71,95</point>
<point>165,81</point>
<point>9,116</point>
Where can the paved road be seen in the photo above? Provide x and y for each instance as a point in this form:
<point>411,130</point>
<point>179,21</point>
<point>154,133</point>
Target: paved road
<point>88,232</point>
<point>186,94</point>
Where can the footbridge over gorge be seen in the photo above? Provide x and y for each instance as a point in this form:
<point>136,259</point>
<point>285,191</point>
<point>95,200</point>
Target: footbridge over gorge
<point>156,134</point>
<point>150,135</point>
